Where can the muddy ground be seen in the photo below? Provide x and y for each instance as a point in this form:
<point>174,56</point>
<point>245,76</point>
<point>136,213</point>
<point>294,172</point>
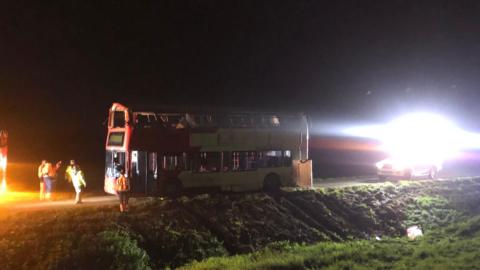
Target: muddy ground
<point>163,232</point>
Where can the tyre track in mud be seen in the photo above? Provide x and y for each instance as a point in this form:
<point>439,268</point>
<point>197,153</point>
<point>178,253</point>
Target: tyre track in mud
<point>246,222</point>
<point>309,218</point>
<point>208,222</point>
<point>246,225</point>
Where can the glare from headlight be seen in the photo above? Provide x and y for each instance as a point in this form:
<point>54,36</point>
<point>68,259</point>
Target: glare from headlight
<point>419,137</point>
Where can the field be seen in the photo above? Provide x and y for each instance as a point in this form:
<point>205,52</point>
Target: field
<point>453,247</point>
<point>359,227</point>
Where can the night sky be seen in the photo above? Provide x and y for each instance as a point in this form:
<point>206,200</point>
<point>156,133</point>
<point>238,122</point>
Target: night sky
<point>63,64</point>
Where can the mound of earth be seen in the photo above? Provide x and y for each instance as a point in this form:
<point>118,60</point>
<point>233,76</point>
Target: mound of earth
<point>170,232</point>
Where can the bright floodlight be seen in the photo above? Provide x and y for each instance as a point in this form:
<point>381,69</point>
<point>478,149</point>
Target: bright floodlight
<point>421,137</point>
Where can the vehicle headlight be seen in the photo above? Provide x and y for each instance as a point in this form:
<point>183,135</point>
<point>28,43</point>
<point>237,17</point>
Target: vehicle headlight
<point>399,167</point>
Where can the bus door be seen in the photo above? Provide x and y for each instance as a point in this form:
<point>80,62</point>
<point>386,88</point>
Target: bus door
<point>144,172</point>
<point>114,159</point>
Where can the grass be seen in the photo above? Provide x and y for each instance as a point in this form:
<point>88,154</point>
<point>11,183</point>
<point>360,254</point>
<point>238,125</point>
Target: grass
<point>431,212</point>
<point>455,247</point>
<point>101,238</point>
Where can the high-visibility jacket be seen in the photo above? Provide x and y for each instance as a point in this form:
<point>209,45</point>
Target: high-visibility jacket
<point>76,176</point>
<point>122,184</point>
<point>81,179</point>
<point>48,170</point>
<point>40,170</point>
<point>69,173</point>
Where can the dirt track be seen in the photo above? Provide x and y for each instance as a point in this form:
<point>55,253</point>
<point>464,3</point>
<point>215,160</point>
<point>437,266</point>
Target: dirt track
<point>29,200</point>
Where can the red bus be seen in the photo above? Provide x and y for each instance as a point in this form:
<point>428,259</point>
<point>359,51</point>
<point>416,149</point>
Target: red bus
<point>3,160</point>
<point>165,151</point>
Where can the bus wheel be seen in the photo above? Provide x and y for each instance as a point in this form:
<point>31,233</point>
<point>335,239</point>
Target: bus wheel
<point>172,188</point>
<point>271,183</point>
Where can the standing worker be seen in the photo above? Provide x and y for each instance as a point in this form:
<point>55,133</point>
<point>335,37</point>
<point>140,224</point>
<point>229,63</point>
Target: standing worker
<point>122,186</point>
<point>40,178</point>
<point>74,175</point>
<point>49,174</point>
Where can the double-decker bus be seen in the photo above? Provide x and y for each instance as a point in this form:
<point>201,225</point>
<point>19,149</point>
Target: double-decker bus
<point>164,151</point>
<point>3,160</point>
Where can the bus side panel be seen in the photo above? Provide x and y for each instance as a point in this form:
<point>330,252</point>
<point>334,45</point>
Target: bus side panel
<point>236,181</point>
<point>226,181</point>
<point>302,173</point>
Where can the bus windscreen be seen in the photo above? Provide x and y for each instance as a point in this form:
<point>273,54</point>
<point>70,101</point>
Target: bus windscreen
<point>116,139</point>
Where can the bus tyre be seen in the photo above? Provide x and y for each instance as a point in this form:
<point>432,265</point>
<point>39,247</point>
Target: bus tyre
<point>271,183</point>
<point>172,188</point>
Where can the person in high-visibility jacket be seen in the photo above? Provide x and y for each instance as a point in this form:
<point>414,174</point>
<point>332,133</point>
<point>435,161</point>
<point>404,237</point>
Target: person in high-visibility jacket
<point>122,187</point>
<point>49,175</point>
<point>40,178</point>
<point>74,175</point>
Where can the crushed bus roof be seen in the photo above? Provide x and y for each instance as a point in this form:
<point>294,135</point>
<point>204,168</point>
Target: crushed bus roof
<point>199,109</point>
<point>175,117</point>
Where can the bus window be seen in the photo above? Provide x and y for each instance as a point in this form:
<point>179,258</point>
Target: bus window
<point>226,161</point>
<point>211,121</point>
<point>287,158</point>
<point>163,120</point>
<point>118,119</point>
<point>109,165</point>
<point>199,120</point>
<point>119,158</point>
<point>244,161</point>
<point>172,162</point>
<point>112,161</point>
<point>169,163</point>
<point>270,159</point>
<point>116,139</point>
<point>275,121</point>
<point>152,164</point>
<point>208,162</point>
<point>235,161</point>
<point>213,161</point>
<point>142,121</point>
<point>251,161</point>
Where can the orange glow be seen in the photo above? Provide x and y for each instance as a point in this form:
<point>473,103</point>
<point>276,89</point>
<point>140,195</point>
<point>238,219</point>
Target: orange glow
<point>3,172</point>
<point>13,197</point>
<point>3,187</point>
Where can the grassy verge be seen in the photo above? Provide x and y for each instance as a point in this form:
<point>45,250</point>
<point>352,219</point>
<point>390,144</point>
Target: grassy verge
<point>454,247</point>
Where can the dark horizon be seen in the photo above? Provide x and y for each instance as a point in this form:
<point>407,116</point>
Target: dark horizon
<point>65,63</point>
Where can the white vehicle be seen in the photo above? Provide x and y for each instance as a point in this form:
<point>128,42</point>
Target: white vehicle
<point>407,169</point>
